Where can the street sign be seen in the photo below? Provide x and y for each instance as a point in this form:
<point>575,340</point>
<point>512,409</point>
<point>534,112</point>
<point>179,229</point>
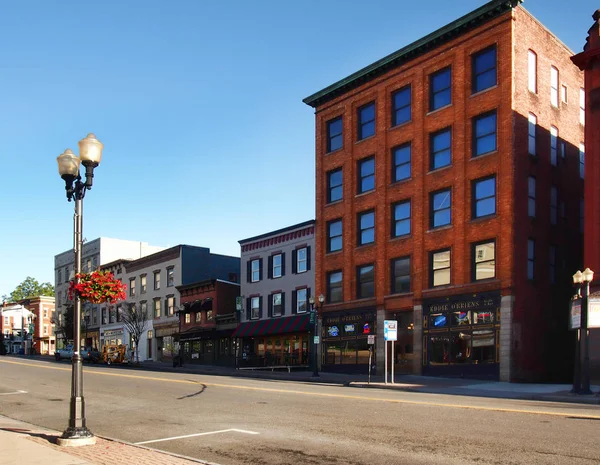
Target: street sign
<point>371,339</point>
<point>575,314</point>
<point>238,303</point>
<point>313,318</point>
<point>317,339</point>
<point>390,330</point>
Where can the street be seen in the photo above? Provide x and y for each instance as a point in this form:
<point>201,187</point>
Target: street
<point>231,421</point>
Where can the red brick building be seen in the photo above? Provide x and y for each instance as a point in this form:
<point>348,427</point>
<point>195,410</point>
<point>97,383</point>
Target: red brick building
<point>589,62</point>
<point>448,197</point>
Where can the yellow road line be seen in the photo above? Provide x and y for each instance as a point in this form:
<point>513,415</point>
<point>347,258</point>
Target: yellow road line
<point>319,394</point>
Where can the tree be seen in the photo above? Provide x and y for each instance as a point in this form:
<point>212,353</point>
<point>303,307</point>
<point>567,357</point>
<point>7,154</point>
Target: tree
<point>136,323</point>
<point>65,327</point>
<point>29,288</point>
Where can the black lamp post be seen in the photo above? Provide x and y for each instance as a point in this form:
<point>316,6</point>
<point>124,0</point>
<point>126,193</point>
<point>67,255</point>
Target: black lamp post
<point>584,279</point>
<point>315,319</point>
<point>90,154</point>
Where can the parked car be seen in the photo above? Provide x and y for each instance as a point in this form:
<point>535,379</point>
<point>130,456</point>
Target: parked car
<point>66,353</point>
<point>91,354</point>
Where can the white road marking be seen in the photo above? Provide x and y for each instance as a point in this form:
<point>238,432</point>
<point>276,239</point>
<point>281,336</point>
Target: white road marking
<point>10,393</point>
<point>198,434</point>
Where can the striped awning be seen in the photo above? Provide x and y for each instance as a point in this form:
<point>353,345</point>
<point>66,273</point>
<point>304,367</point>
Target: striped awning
<point>290,324</point>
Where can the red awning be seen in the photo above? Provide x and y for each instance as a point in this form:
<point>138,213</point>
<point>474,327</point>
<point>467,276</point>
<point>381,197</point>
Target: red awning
<point>290,324</point>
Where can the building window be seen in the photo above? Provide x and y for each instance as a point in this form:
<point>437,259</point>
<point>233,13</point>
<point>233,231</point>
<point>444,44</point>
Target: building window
<point>58,278</point>
<point>440,148</point>
<point>301,300</point>
<point>532,71</point>
<point>530,258</point>
<point>552,263</point>
<point>156,308</point>
<point>401,219</point>
<point>143,285</point>
<point>401,159</point>
<point>554,86</point>
<point>334,134</point>
<point>156,280</point>
<point>276,266</point>
<point>170,277</point>
<point>198,317</point>
<point>88,265</point>
<point>45,330</point>
<point>366,227</point>
<point>553,145</point>
<point>366,175</point>
<point>484,260</point>
<point>366,281</point>
<point>440,84</point>
<point>144,308</point>
<point>440,208</point>
<point>255,308</point>
<point>132,287</point>
<point>276,304</point>
<point>170,310</point>
<point>562,148</point>
<point>366,121</point>
<point>483,66</point>
<point>484,133</point>
<point>60,302</point>
<point>400,275</point>
<point>581,160</point>
<point>532,129</point>
<point>188,318</point>
<point>334,286</point>
<point>563,93</point>
<point>484,197</point>
<point>209,315</point>
<point>255,271</point>
<point>67,275</point>
<point>531,196</point>
<point>401,106</point>
<point>334,235</point>
<point>582,106</point>
<point>302,260</point>
<point>440,268</point>
<point>335,189</point>
<point>553,205</point>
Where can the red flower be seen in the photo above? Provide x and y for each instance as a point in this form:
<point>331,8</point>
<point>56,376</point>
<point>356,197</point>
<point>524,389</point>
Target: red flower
<point>97,287</point>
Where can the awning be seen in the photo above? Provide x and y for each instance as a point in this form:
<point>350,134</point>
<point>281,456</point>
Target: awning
<point>206,334</point>
<point>290,324</point>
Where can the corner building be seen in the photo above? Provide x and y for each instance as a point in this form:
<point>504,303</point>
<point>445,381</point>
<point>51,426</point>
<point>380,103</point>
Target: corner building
<point>449,187</point>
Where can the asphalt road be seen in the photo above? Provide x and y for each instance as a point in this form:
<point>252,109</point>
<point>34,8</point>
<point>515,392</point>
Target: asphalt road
<point>232,421</point>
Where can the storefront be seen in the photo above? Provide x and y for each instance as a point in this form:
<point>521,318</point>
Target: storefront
<point>208,347</point>
<point>345,347</point>
<point>166,346</point>
<point>113,336</point>
<point>274,342</point>
<point>461,336</point>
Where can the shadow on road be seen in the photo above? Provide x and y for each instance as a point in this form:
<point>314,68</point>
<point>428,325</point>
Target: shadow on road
<point>195,393</point>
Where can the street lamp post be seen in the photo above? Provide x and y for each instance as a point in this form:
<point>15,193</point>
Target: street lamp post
<point>583,280</point>
<point>90,154</point>
<point>315,318</point>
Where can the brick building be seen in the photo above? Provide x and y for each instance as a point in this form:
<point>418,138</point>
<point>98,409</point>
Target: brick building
<point>589,62</point>
<point>449,186</point>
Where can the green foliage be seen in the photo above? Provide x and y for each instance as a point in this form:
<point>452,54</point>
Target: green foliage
<point>28,289</point>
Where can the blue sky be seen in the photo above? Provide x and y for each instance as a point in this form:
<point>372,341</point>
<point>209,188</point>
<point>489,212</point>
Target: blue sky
<point>199,105</point>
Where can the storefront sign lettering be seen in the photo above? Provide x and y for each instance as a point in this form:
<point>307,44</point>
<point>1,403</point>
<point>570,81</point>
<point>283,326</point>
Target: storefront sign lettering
<point>462,305</point>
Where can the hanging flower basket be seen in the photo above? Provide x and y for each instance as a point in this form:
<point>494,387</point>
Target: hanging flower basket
<point>97,287</point>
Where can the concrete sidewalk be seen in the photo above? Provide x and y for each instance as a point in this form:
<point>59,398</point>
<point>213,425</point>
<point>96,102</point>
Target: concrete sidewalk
<point>22,443</point>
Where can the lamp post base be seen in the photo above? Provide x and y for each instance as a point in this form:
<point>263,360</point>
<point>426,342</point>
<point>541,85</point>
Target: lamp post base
<point>75,437</point>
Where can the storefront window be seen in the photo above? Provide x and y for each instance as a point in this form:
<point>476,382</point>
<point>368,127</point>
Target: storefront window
<point>484,346</point>
<point>439,349</point>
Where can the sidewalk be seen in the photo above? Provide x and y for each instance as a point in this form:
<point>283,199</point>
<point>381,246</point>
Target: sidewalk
<point>24,443</point>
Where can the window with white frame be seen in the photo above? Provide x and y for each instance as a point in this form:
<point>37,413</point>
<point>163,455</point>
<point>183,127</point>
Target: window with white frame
<point>255,270</point>
<point>553,205</point>
<point>157,308</point>
<point>277,304</point>
<point>301,260</point>
<point>440,268</point>
<point>143,284</point>
<point>45,330</point>
<point>582,106</point>
<point>532,129</point>
<point>531,196</point>
<point>255,308</point>
<point>301,300</point>
<point>554,86</point>
<point>553,145</point>
<point>277,266</point>
<point>170,310</point>
<point>89,265</point>
<point>45,313</point>
<point>188,317</point>
<point>144,308</point>
<point>530,259</point>
<point>581,160</point>
<point>132,287</point>
<point>6,320</point>
<point>170,276</point>
<point>532,71</point>
<point>157,280</point>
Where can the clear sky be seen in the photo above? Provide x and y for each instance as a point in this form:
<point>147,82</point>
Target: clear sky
<point>198,104</point>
